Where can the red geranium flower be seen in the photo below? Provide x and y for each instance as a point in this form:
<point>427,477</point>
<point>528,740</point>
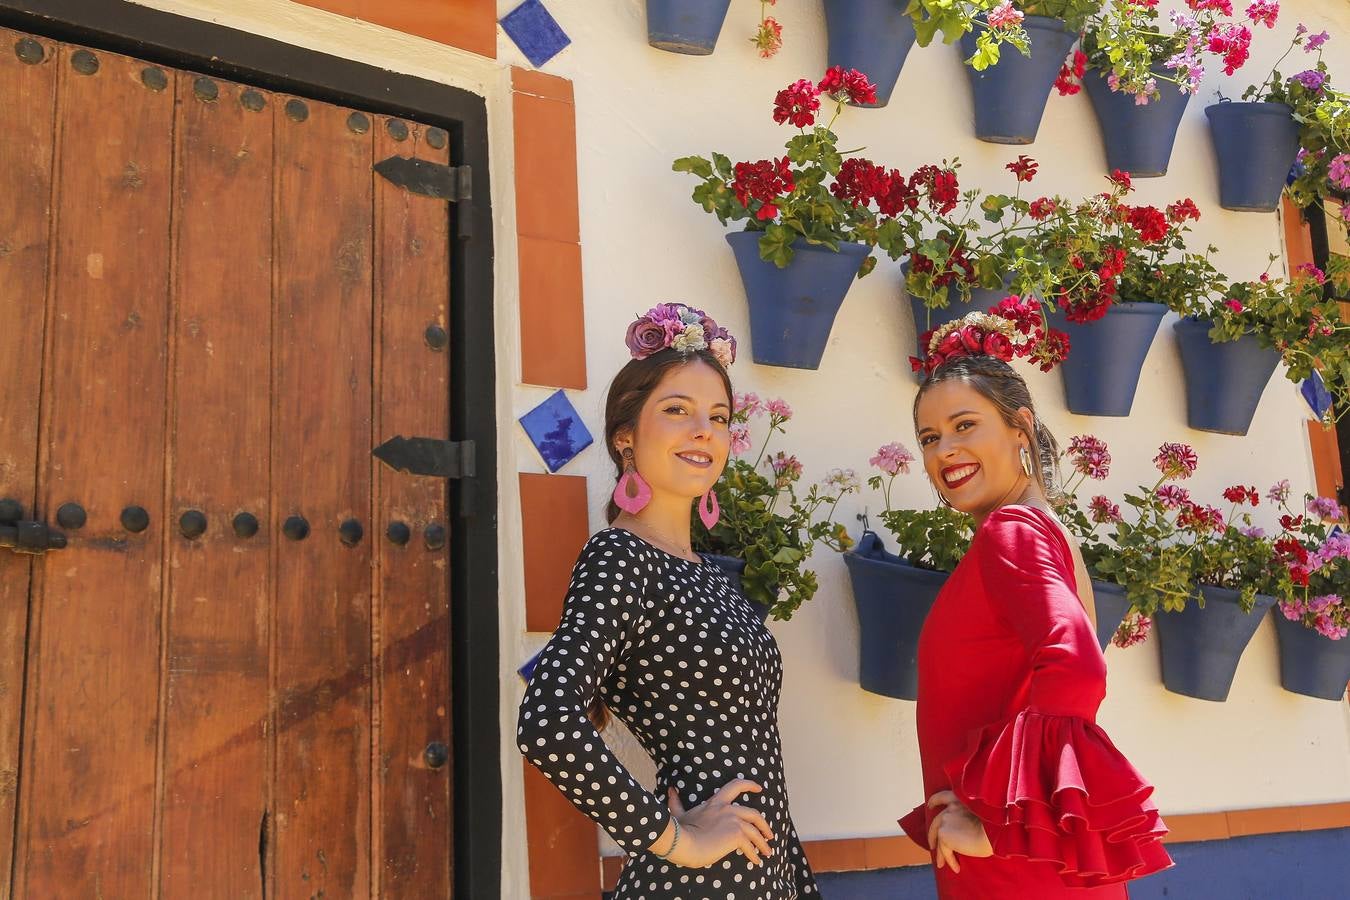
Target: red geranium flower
<point>797,103</point>
<point>850,84</point>
<point>1149,221</point>
<point>1024,167</point>
<point>1042,208</point>
<point>1183,210</point>
<point>765,181</point>
<point>1051,350</point>
<point>1069,80</point>
<point>1120,179</point>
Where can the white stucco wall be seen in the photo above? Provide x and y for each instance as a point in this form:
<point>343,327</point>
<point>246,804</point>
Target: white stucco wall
<point>851,757</point>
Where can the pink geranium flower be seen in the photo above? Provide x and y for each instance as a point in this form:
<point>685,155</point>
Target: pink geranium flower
<point>893,459</point>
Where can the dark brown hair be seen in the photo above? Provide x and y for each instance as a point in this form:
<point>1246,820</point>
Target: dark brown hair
<point>1000,384</point>
<point>628,394</point>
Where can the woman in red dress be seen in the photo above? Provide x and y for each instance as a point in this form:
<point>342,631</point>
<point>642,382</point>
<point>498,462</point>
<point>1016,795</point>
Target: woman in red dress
<point>1027,796</point>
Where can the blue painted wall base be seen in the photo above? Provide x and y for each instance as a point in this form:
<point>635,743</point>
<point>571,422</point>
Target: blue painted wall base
<point>1310,865</point>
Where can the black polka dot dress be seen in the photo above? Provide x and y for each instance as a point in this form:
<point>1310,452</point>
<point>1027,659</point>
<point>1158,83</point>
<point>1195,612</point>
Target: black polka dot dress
<point>681,658</point>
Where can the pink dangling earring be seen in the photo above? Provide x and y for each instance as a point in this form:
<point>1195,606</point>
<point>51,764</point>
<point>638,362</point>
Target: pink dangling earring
<point>632,493</point>
<point>709,510</point>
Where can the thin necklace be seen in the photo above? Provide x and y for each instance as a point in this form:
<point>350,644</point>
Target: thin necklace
<point>682,552</point>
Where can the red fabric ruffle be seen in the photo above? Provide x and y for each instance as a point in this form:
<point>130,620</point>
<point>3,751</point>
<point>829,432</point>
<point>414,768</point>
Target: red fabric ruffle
<point>1055,789</point>
<point>915,824</point>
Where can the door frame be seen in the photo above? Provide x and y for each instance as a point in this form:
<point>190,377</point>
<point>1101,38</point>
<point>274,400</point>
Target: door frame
<point>179,42</point>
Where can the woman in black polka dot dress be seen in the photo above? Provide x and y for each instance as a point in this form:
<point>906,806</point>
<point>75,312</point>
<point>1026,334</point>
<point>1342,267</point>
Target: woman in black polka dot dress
<point>660,639</point>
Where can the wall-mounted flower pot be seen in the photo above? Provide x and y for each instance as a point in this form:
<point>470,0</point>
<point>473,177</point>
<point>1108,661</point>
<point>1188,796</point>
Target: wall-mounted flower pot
<point>1224,382</point>
<point>1010,96</point>
<point>1105,358</point>
<point>734,568</point>
<point>1138,139</point>
<point>1312,664</point>
<point>792,309</point>
<point>1201,646</point>
<point>1256,144</point>
<point>685,26</point>
<point>1112,607</point>
<point>892,598</point>
<point>872,36</point>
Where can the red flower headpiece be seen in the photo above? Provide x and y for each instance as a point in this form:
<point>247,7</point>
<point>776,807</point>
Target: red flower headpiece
<point>1015,328</point>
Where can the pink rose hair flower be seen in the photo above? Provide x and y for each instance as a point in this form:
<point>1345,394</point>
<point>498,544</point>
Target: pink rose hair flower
<point>682,328</point>
<point>1176,461</point>
<point>892,459</point>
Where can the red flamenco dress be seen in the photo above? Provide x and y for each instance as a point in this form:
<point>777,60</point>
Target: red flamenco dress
<point>1010,679</point>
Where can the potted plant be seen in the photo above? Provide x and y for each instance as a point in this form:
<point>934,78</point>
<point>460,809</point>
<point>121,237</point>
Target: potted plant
<point>1011,90</point>
<point>1090,459</point>
<point>893,592</point>
<point>685,26</point>
<point>1314,597</point>
<point>768,39</point>
<point>871,36</point>
<point>1143,266</point>
<point>812,218</point>
<point>1278,121</point>
<point>767,530</point>
<point>1231,345</point>
<point>1231,561</point>
<point>1141,72</point>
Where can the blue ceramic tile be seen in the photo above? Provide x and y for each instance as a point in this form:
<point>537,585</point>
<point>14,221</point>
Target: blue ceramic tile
<point>556,430</point>
<point>1315,391</point>
<point>535,32</point>
<point>526,672</point>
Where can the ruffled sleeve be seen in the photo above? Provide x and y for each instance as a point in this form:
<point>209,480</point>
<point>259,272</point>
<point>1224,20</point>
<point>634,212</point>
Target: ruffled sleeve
<point>1048,783</point>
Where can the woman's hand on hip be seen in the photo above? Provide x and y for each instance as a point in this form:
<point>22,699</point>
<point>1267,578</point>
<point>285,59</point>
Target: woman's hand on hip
<point>719,826</point>
<point>955,831</point>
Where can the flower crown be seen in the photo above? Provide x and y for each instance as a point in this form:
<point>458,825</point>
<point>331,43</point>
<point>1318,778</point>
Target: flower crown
<point>683,328</point>
<point>974,334</point>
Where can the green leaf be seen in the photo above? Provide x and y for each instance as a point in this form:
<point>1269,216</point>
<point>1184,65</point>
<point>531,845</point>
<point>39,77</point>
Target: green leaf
<point>695,164</point>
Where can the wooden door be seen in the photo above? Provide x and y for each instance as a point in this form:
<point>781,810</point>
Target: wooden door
<point>233,681</point>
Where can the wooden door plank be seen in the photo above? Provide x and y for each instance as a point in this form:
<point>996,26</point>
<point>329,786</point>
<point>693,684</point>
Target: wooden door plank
<point>28,89</point>
<point>322,471</point>
<point>216,678</point>
<point>91,730</point>
<point>413,609</point>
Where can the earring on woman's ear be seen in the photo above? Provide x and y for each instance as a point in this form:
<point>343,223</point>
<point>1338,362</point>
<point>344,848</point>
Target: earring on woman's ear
<point>632,492</point>
<point>708,509</point>
<point>1024,455</point>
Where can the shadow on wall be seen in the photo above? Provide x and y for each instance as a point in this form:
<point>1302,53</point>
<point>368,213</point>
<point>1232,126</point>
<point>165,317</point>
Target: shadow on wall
<point>1309,864</point>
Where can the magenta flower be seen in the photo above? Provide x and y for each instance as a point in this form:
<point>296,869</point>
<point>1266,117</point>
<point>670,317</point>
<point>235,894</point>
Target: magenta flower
<point>1338,171</point>
<point>740,439</point>
<point>893,459</point>
<point>1134,630</point>
<point>1264,11</point>
<point>1173,496</point>
<point>1254,532</point>
<point>1316,41</point>
<point>1325,508</point>
<point>1310,79</point>
<point>1279,491</point>
<point>1089,456</point>
<point>1103,510</point>
<point>787,468</point>
<point>747,405</point>
<point>779,409</point>
<point>1176,461</point>
<point>1005,16</point>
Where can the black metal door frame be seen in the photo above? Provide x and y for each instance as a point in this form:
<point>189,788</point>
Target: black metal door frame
<point>183,43</point>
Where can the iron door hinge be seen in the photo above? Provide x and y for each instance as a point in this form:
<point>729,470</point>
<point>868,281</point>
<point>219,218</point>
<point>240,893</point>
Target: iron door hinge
<point>32,538</point>
<point>428,456</point>
<point>429,179</point>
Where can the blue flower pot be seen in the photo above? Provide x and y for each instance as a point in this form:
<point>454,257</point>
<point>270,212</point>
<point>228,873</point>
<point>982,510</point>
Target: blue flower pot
<point>1256,144</point>
<point>1310,663</point>
<point>892,598</point>
<point>1138,139</point>
<point>685,26</point>
<point>1010,96</point>
<point>1112,606</point>
<point>1224,382</point>
<point>872,36</point>
<point>1105,358</point>
<point>1201,646</point>
<point>734,567</point>
<point>792,309</point>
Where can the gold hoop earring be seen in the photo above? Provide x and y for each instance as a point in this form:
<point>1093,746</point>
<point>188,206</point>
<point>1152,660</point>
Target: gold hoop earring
<point>1024,455</point>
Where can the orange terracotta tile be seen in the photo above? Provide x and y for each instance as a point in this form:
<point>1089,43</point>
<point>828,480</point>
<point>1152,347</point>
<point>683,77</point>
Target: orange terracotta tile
<point>1326,455</point>
<point>552,318</point>
<point>528,81</point>
<point>1297,237</point>
<point>468,24</point>
<point>1196,827</point>
<point>893,852</point>
<point>610,867</point>
<point>564,845</point>
<point>1270,820</point>
<point>845,855</point>
<point>546,168</point>
<point>1324,815</point>
<point>554,527</point>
